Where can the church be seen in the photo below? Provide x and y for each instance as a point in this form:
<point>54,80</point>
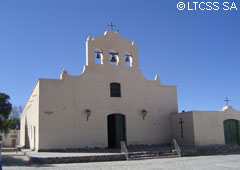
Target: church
<point>111,101</point>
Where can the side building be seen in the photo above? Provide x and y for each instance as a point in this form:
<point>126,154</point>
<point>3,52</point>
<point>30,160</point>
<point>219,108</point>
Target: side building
<point>199,128</point>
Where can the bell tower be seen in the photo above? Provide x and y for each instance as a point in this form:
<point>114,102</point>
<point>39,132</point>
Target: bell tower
<point>111,50</point>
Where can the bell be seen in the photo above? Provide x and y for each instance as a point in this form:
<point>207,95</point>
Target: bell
<point>113,59</point>
<point>98,56</point>
<point>127,59</point>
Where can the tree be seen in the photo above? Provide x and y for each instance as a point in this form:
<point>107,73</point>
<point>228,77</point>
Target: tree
<point>5,110</point>
<point>14,123</point>
<point>16,111</point>
<point>14,117</point>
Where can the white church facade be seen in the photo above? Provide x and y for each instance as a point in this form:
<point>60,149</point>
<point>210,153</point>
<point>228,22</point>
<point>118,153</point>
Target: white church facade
<point>109,102</point>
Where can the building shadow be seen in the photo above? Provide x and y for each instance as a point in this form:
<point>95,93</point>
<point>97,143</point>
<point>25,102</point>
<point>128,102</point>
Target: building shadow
<point>19,160</point>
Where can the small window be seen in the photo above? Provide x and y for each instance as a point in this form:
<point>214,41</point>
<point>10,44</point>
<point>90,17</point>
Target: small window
<point>115,90</point>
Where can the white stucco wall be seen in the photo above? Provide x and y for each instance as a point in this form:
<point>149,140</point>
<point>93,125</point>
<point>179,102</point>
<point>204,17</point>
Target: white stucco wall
<point>63,102</point>
<point>187,127</point>
<point>30,121</point>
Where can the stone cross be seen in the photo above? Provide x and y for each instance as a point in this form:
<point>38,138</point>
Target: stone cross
<point>111,25</point>
<point>181,122</point>
<point>227,100</point>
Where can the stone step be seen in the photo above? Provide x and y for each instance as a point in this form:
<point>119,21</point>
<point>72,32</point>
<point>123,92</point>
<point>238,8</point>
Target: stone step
<point>145,155</point>
<point>151,155</point>
<point>154,157</point>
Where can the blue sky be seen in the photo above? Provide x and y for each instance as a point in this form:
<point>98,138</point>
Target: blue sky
<point>199,51</point>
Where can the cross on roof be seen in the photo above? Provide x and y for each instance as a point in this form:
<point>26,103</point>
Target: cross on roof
<point>227,100</point>
<point>111,25</point>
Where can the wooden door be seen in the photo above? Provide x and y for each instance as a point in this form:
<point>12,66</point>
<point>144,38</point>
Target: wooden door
<point>231,132</point>
<point>116,130</point>
<point>120,129</point>
<point>13,142</point>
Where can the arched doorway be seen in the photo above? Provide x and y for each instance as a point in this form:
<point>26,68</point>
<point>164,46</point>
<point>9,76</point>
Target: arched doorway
<point>116,130</point>
<point>231,132</point>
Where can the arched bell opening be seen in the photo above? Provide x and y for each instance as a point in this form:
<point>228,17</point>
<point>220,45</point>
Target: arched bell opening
<point>128,59</point>
<point>98,56</point>
<point>113,57</point>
